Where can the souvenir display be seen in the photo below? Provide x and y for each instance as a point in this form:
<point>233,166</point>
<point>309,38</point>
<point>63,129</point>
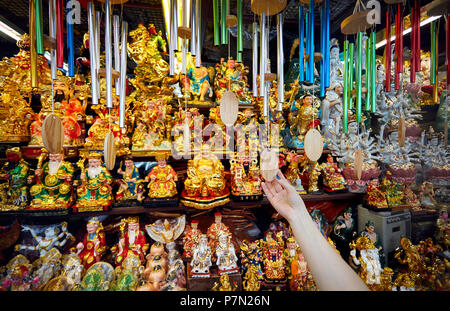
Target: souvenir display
<point>164,138</point>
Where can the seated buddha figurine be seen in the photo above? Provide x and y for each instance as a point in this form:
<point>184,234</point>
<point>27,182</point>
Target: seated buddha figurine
<point>52,188</point>
<point>205,185</point>
<point>162,179</point>
<point>130,185</point>
<point>94,192</point>
<point>333,180</point>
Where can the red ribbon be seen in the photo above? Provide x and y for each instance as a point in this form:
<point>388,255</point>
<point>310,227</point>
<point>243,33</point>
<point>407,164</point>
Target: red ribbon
<point>388,52</point>
<point>59,33</point>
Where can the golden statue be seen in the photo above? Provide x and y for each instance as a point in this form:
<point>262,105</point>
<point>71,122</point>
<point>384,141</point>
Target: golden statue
<point>232,76</point>
<point>409,255</point>
<point>224,284</point>
<point>368,260</point>
<point>205,185</point>
<point>303,116</point>
<point>162,179</point>
<point>16,114</point>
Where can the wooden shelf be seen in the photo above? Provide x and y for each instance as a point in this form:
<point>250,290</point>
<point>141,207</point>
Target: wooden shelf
<point>132,210</point>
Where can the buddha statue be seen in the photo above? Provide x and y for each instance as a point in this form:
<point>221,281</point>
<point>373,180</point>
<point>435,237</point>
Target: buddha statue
<point>205,185</point>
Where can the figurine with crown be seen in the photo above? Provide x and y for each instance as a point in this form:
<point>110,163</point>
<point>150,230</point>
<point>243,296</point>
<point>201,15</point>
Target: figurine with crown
<point>94,191</point>
<point>162,183</point>
<point>246,179</point>
<point>132,241</point>
<point>93,246</point>
<point>131,188</point>
<point>52,188</point>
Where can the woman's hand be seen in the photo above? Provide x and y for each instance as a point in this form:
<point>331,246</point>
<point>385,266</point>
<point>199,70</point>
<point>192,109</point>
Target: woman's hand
<point>283,196</point>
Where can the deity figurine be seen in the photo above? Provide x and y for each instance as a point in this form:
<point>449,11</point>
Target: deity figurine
<point>293,172</point>
<point>332,108</point>
<point>94,192</point>
<point>321,222</point>
<point>13,177</point>
<point>302,117</point>
<point>289,255</point>
<point>336,65</point>
<point>162,179</point>
<point>191,239</point>
<point>226,256</point>
<point>216,229</point>
<point>411,199</point>
<point>46,268</point>
<point>251,281</point>
<point>146,49</point>
<point>409,256</point>
<point>224,284</point>
<point>314,171</point>
<point>166,231</point>
<point>442,234</point>
<point>130,186</point>
<point>332,177</point>
<point>426,195</point>
<point>246,179</point>
<point>72,268</point>
<point>375,197</point>
<point>107,120</point>
<point>232,76</point>
<point>132,241</point>
<point>344,232</point>
<point>300,273</point>
<point>53,237</point>
<point>53,183</point>
<point>201,259</point>
<point>370,271</point>
<point>18,275</point>
<point>205,185</point>
<point>198,83</point>
<point>369,232</point>
<point>153,125</point>
<point>16,114</point>
<point>392,189</point>
<point>128,274</point>
<point>64,104</point>
<point>251,265</point>
<point>98,277</point>
<point>274,261</point>
<point>93,246</point>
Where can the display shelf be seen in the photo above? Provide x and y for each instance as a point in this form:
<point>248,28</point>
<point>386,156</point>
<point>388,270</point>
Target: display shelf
<point>131,210</point>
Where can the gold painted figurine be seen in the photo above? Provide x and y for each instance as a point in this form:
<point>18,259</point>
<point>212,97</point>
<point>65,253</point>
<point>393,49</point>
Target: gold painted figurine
<point>162,179</point>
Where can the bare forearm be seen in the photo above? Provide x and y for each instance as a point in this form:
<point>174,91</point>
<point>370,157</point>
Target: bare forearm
<point>329,270</point>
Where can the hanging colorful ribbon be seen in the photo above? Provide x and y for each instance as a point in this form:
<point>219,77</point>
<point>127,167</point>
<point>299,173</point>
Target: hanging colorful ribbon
<point>39,28</point>
<point>447,49</point>
<point>52,35</point>
<point>397,45</point>
<point>59,34</point>
<point>301,44</point>
<point>436,64</point>
<point>400,54</point>
<point>92,53</point>
<point>388,52</point>
<point>346,86</point>
<point>123,74</point>
<point>308,42</point>
<point>70,47</point>
<point>358,76</point>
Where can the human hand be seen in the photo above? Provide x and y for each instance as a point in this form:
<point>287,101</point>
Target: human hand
<point>283,196</point>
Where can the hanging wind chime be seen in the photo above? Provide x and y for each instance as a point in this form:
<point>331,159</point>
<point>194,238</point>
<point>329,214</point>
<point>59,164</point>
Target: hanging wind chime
<point>356,24</point>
